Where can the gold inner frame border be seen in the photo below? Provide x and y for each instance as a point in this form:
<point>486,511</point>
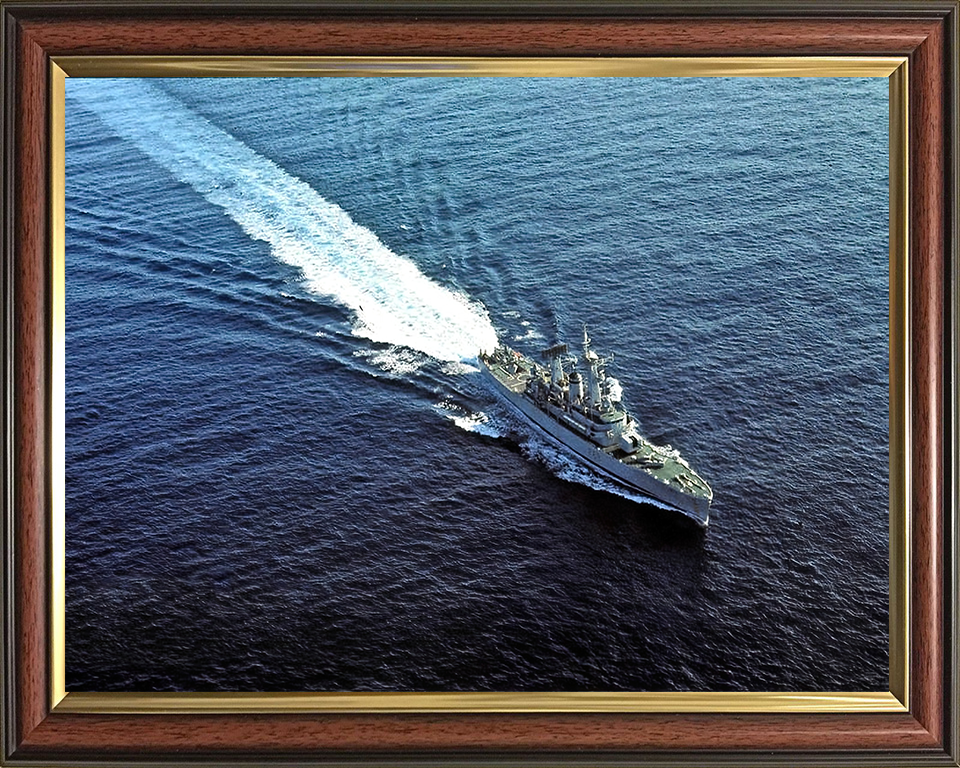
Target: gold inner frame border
<point>895,69</point>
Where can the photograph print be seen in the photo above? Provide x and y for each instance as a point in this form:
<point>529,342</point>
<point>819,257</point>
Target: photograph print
<point>493,384</point>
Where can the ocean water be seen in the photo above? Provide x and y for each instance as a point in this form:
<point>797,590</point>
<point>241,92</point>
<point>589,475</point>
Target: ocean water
<point>284,472</point>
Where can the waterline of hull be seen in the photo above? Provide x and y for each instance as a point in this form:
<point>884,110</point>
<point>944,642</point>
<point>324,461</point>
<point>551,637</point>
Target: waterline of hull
<point>696,509</point>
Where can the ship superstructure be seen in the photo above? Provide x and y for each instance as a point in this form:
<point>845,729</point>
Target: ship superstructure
<point>583,410</point>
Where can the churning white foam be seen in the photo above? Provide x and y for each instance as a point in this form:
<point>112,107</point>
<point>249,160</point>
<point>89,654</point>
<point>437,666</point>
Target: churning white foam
<point>470,421</point>
<point>397,360</point>
<point>393,302</point>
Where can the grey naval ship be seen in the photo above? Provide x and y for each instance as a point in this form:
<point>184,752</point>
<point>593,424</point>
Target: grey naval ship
<point>583,412</point>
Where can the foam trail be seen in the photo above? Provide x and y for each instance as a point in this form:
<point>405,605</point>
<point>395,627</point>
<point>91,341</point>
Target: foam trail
<point>470,421</point>
<point>393,301</point>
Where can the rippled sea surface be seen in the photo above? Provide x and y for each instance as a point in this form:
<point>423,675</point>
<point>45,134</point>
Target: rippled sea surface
<point>284,472</point>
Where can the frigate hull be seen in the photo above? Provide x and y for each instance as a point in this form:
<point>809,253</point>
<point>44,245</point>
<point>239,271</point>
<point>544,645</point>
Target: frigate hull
<point>549,418</point>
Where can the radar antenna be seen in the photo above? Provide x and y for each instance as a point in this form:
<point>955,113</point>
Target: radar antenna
<point>553,352</point>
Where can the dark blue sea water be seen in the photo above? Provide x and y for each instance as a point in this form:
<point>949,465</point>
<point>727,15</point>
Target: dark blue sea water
<point>283,472</point>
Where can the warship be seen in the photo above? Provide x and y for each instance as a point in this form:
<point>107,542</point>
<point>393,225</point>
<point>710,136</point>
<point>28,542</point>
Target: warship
<point>585,414</point>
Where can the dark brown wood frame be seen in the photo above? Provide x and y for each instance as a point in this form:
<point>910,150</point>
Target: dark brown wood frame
<point>926,32</point>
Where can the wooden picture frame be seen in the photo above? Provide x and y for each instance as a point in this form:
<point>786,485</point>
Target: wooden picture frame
<point>40,729</point>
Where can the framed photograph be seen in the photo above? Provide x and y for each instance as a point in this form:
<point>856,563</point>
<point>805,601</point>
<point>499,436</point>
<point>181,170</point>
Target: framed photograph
<point>423,384</point>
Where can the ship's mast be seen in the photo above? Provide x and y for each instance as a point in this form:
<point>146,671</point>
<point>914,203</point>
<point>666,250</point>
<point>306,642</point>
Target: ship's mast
<point>593,374</point>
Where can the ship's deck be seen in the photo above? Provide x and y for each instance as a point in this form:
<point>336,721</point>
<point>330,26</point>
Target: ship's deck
<point>514,374</point>
<point>514,380</point>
